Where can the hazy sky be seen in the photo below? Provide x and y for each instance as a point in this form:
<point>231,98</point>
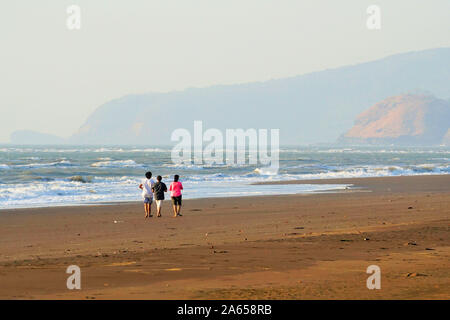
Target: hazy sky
<point>52,78</point>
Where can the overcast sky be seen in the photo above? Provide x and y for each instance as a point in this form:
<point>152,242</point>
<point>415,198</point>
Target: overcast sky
<point>52,78</point>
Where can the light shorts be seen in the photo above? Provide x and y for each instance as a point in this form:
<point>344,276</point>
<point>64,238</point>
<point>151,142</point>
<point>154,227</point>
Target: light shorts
<point>158,203</point>
<point>148,200</point>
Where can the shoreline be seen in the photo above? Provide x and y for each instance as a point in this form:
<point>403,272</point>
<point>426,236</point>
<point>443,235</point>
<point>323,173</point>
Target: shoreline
<point>352,184</point>
<point>436,182</point>
<point>313,246</point>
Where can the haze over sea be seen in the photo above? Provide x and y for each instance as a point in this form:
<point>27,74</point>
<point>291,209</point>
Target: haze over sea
<point>33,176</point>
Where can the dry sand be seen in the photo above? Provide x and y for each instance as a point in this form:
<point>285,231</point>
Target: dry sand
<point>314,246</point>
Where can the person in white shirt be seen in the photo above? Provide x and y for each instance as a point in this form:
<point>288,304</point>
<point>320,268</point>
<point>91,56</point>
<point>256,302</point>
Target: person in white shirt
<point>147,193</point>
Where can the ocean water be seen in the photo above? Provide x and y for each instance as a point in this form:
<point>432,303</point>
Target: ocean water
<point>32,176</point>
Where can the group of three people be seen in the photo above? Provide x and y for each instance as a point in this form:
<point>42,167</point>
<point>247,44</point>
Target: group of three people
<point>151,189</point>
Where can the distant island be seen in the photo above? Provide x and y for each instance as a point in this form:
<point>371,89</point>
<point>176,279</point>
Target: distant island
<point>420,120</point>
<point>313,108</point>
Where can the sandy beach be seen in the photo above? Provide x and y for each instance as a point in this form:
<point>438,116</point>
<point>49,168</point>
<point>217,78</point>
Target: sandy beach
<point>314,246</point>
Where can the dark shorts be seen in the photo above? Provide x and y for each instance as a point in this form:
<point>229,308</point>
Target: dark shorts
<point>176,201</point>
<point>148,200</point>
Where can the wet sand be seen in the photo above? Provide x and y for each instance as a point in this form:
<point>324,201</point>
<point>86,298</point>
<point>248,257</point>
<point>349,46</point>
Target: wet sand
<point>314,246</point>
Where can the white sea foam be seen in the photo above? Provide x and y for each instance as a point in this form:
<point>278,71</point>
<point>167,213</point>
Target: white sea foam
<point>367,151</point>
<point>25,184</point>
<point>134,150</point>
<point>110,189</point>
<point>150,150</point>
<point>374,171</point>
<point>61,163</point>
<point>269,171</point>
<point>124,188</point>
<point>117,164</point>
<point>82,149</point>
<point>206,165</point>
<point>182,166</point>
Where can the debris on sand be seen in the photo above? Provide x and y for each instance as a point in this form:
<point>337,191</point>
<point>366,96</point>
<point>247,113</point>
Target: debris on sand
<point>415,274</point>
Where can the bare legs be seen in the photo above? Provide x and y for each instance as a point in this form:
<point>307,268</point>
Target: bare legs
<point>176,210</point>
<point>158,209</point>
<point>148,210</point>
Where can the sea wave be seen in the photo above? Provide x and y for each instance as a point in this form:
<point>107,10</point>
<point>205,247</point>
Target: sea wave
<point>188,166</point>
<point>366,151</point>
<point>81,150</point>
<point>268,171</point>
<point>134,150</point>
<point>61,163</point>
<point>75,191</point>
<point>84,177</point>
<point>183,166</point>
<point>376,171</point>
<point>117,164</point>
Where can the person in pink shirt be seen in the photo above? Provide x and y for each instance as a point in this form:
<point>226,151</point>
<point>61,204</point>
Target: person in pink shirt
<point>175,192</point>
